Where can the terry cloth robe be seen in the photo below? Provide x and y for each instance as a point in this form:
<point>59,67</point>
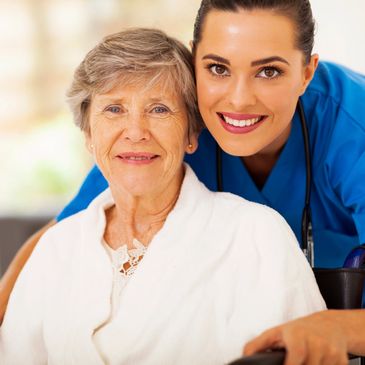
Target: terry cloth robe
<point>220,271</point>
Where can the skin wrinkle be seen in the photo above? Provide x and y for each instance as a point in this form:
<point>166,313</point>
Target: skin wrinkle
<point>144,194</point>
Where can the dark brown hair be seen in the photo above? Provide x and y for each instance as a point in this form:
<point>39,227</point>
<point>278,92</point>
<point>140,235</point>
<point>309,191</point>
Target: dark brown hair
<point>299,11</point>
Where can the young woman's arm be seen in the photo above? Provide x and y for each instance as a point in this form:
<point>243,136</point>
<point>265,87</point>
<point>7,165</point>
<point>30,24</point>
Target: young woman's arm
<point>321,338</point>
<point>8,280</point>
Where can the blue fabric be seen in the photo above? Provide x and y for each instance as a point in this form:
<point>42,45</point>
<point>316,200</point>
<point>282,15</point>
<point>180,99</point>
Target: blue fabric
<point>93,185</point>
<point>334,105</point>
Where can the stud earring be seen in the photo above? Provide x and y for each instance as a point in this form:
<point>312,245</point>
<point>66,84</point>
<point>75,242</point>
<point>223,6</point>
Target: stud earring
<point>190,146</point>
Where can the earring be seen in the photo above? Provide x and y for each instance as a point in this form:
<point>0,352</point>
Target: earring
<point>190,146</point>
<point>92,146</point>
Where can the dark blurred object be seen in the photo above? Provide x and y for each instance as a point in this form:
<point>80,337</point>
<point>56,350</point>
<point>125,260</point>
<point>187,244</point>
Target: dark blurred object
<point>341,288</point>
<point>264,358</point>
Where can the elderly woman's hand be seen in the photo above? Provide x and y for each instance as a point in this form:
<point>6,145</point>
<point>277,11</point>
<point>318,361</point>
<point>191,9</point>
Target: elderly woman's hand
<point>321,338</point>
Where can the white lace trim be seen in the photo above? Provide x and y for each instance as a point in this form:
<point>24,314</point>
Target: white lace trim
<point>124,260</point>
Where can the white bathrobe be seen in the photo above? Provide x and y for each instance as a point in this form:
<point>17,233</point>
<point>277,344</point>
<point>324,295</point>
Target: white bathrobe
<point>220,271</point>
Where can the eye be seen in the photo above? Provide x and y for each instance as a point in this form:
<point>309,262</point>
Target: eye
<point>269,72</point>
<point>115,109</point>
<point>160,109</point>
<point>218,70</point>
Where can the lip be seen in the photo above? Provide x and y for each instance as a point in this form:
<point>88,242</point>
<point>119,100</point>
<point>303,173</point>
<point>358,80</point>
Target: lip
<point>137,158</point>
<point>238,116</point>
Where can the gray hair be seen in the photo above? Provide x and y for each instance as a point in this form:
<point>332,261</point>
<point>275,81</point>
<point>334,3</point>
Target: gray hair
<point>134,55</point>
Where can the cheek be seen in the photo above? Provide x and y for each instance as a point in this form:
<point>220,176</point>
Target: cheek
<point>281,100</point>
<point>207,90</point>
<point>172,138</point>
<point>209,94</point>
<point>103,133</point>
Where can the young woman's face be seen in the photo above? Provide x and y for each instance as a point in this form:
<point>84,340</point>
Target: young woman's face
<point>249,77</point>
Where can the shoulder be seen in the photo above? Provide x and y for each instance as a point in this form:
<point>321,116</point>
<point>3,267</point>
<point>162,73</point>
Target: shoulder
<point>333,80</point>
<point>69,234</point>
<point>259,237</point>
<point>336,92</point>
<point>244,207</point>
<point>62,239</point>
<point>334,106</point>
<point>265,226</point>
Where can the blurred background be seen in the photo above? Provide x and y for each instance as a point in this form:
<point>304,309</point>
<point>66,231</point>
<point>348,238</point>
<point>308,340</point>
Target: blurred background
<point>42,156</point>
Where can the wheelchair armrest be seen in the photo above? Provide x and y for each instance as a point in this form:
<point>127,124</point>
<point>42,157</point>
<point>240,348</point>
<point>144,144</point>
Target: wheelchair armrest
<point>276,357</point>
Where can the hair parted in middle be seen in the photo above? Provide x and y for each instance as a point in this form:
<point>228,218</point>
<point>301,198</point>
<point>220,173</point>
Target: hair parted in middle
<point>298,11</point>
<point>136,55</point>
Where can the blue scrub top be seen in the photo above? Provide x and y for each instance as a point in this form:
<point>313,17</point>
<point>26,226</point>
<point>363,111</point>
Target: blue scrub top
<point>334,106</point>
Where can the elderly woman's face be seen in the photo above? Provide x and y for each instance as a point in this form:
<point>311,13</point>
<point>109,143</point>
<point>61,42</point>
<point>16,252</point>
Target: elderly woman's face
<point>138,137</point>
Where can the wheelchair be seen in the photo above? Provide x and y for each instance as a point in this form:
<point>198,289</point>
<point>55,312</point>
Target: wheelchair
<point>341,289</point>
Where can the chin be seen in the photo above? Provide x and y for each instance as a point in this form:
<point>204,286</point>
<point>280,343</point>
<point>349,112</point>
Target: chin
<point>239,149</point>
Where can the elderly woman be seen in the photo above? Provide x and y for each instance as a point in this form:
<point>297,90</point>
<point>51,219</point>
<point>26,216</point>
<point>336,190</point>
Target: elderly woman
<point>157,270</point>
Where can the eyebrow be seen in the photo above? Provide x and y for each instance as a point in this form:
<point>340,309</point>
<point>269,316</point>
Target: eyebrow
<point>216,58</point>
<point>264,61</point>
<point>112,100</point>
<point>260,62</point>
<point>108,99</point>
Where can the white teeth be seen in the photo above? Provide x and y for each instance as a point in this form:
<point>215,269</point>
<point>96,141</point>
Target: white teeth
<point>137,158</point>
<point>241,123</point>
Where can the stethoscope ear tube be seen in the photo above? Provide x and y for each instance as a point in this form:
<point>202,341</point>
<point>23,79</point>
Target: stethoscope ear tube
<point>218,156</point>
<point>307,236</point>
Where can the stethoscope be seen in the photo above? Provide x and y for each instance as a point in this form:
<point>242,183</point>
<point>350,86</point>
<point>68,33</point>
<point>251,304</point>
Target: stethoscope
<point>306,225</point>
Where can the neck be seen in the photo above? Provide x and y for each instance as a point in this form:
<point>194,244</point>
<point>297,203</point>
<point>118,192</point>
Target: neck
<point>260,164</point>
<point>139,217</point>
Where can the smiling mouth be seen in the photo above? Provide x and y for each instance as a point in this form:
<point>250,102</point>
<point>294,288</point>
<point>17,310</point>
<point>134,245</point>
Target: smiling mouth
<point>137,157</point>
<point>241,120</point>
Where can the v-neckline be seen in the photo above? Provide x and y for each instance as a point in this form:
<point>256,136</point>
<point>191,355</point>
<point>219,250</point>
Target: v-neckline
<point>276,184</point>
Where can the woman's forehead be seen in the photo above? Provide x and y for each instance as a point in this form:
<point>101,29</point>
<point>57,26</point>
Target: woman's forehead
<point>256,26</point>
<point>141,88</point>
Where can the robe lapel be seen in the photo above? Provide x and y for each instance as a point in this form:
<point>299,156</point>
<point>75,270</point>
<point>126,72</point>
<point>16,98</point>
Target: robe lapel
<point>92,289</point>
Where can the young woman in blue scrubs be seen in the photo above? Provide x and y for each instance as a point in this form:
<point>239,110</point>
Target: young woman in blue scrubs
<point>253,63</point>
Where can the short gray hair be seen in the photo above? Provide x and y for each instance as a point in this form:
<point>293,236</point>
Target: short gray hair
<point>133,55</point>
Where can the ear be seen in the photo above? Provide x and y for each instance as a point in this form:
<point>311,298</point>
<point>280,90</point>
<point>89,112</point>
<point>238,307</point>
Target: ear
<point>309,71</point>
<point>191,44</point>
<point>193,144</point>
<point>88,142</point>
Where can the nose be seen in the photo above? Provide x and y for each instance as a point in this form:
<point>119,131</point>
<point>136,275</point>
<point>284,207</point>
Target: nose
<point>136,128</point>
<point>241,93</point>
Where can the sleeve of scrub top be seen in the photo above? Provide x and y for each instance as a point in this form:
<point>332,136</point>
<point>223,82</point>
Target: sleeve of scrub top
<point>21,334</point>
<point>92,186</point>
<point>346,168</point>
